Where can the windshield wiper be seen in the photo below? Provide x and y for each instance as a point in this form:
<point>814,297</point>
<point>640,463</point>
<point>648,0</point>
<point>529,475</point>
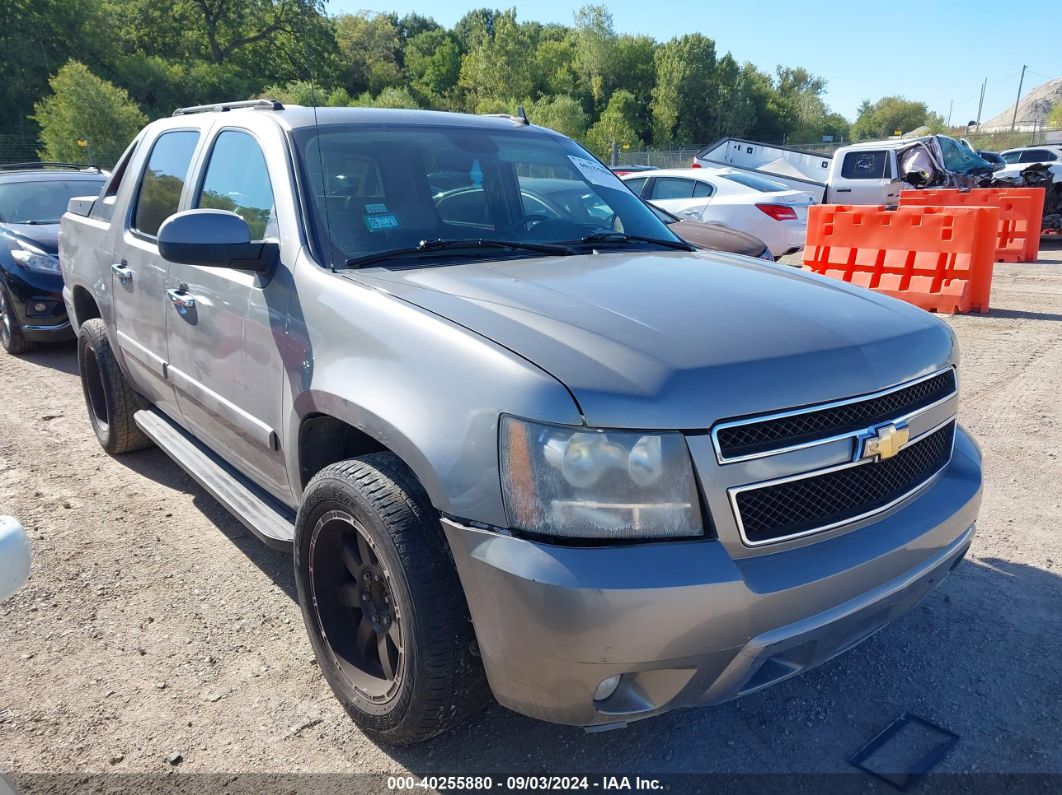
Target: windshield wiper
<point>553,249</point>
<point>623,237</point>
<point>35,223</point>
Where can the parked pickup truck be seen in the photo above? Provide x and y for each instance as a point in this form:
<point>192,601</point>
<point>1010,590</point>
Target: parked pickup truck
<point>561,458</point>
<point>870,172</point>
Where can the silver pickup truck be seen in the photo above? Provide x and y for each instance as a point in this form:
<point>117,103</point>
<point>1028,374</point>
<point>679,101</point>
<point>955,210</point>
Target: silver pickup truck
<point>521,438</point>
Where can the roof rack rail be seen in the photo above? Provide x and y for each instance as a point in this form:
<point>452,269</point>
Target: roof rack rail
<point>258,104</point>
<point>37,164</point>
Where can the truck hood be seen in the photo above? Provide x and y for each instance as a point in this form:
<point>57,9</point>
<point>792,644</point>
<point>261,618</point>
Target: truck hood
<point>677,340</point>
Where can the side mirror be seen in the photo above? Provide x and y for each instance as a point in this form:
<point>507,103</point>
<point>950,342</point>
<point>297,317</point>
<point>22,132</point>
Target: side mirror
<point>214,239</point>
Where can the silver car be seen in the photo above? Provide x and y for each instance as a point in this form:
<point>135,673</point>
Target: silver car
<point>559,457</point>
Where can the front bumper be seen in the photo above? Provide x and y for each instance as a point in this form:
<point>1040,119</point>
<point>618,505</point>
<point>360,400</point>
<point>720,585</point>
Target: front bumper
<point>685,623</point>
<point>27,288</point>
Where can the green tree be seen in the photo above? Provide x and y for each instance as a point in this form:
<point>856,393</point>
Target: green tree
<point>594,49</point>
<point>564,114</point>
<point>84,108</point>
<point>616,125</point>
<point>496,67</point>
<point>685,90</point>
<point>554,62</point>
<point>889,116</point>
<point>800,104</point>
<point>303,92</point>
<point>433,61</point>
<point>36,38</point>
<point>368,52</point>
<point>395,97</point>
<point>634,71</point>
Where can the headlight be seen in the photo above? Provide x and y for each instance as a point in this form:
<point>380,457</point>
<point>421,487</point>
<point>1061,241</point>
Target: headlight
<point>584,483</point>
<point>767,255</point>
<point>36,261</point>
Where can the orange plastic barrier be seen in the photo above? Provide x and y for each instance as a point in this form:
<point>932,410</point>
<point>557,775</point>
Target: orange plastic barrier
<point>937,258</point>
<point>1020,215</point>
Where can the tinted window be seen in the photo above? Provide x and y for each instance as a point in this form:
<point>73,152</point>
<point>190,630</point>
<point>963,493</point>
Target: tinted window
<point>237,180</point>
<point>1036,156</point>
<point>756,183</point>
<point>673,188</point>
<point>636,184</point>
<point>864,165</point>
<point>1010,157</point>
<point>42,201</point>
<point>163,181</point>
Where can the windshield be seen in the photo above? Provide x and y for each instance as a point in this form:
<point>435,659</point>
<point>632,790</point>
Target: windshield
<point>388,188</point>
<point>42,201</point>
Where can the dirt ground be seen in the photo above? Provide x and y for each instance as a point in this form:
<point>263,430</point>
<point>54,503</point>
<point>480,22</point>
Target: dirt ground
<point>155,625</point>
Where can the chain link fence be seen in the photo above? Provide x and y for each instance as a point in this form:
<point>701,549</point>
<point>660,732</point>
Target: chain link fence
<point>18,148</point>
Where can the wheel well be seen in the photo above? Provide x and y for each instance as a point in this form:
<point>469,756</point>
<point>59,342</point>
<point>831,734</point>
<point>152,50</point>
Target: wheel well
<point>85,307</point>
<point>324,440</point>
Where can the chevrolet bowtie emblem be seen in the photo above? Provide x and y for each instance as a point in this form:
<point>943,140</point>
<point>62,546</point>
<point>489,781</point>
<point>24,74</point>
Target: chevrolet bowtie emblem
<point>886,441</point>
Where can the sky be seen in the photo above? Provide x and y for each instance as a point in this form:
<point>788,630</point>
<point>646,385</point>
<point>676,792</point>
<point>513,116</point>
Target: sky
<point>934,52</point>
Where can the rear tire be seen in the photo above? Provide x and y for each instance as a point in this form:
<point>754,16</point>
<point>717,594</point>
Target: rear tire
<point>11,337</point>
<point>382,602</point>
<point>110,400</point>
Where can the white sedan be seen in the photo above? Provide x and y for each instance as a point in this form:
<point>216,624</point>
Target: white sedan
<point>14,556</point>
<point>767,209</point>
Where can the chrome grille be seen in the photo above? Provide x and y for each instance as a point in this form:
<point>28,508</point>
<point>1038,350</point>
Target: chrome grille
<point>795,507</point>
<point>735,439</point>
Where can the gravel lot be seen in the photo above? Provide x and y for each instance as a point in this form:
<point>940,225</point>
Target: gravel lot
<point>155,625</point>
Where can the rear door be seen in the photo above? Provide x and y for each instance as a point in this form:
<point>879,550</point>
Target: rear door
<point>138,273</point>
<point>224,349</point>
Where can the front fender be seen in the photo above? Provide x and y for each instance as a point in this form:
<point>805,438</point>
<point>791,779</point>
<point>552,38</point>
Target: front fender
<point>423,387</point>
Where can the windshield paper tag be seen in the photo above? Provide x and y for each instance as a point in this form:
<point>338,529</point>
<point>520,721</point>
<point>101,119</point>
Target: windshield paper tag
<point>375,208</point>
<point>595,172</point>
<point>378,223</point>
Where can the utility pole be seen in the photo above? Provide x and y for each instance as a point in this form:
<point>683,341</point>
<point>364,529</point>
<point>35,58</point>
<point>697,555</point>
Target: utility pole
<point>951,107</point>
<point>980,103</point>
<point>1014,118</point>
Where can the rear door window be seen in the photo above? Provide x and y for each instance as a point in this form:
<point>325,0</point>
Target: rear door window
<point>160,189</point>
<point>237,180</point>
<point>636,184</point>
<point>674,188</point>
<point>1036,156</point>
<point>864,165</point>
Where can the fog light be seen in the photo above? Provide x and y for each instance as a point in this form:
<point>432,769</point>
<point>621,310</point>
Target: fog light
<point>40,308</point>
<point>606,688</point>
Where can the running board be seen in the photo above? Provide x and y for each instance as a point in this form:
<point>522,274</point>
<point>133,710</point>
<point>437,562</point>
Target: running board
<point>259,512</point>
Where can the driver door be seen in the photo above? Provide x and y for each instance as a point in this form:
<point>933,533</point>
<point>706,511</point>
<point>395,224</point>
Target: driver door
<point>224,327</point>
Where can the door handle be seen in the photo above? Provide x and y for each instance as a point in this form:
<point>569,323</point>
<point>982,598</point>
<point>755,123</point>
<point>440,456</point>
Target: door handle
<point>125,276</point>
<point>844,190</point>
<point>180,298</point>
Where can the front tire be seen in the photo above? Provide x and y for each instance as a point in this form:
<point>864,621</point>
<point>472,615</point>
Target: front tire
<point>110,400</point>
<point>11,337</point>
<point>382,603</point>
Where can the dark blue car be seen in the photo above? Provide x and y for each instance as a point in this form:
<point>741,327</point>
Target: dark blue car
<point>33,196</point>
